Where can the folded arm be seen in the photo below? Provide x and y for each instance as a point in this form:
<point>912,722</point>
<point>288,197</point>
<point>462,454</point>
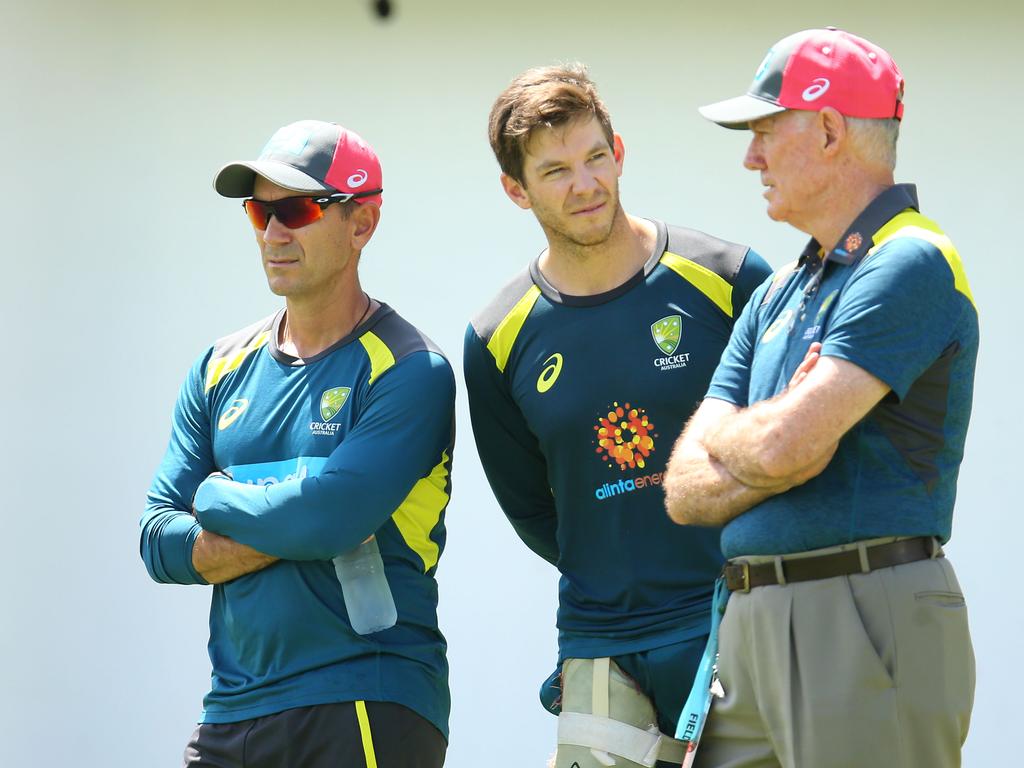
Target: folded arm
<point>174,547</point>
<point>219,559</point>
<point>729,459</point>
<point>699,489</point>
<point>402,433</point>
<point>791,437</point>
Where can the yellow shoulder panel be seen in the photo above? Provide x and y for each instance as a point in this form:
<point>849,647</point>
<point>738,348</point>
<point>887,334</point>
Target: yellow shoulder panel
<point>505,334</point>
<point>703,279</point>
<point>910,223</point>
<point>419,513</point>
<point>220,367</point>
<point>380,356</point>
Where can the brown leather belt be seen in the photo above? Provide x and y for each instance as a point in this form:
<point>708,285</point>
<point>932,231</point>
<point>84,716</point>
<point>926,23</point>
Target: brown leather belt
<point>742,577</point>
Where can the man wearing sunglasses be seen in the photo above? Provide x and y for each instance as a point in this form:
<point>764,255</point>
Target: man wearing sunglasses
<point>323,432</point>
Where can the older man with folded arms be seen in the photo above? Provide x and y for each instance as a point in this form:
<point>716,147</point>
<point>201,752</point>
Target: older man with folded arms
<point>831,437</point>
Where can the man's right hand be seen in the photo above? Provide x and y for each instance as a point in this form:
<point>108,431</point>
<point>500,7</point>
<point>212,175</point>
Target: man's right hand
<point>219,559</point>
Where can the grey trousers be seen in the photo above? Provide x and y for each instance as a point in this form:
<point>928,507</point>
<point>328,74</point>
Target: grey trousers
<point>874,669</point>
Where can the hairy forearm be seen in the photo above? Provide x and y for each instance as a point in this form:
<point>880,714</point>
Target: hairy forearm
<point>700,490</point>
<point>792,437</point>
<point>758,446</point>
<point>219,559</point>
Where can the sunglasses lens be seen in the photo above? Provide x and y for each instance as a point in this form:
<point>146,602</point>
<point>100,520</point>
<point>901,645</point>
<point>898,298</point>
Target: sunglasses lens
<point>257,213</point>
<point>293,212</point>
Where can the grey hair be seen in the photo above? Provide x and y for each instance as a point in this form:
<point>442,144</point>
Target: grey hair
<point>875,139</point>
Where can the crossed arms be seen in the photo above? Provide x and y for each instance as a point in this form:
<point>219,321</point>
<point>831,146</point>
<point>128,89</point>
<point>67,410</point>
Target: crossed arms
<point>219,559</point>
<point>728,458</point>
<point>203,528</point>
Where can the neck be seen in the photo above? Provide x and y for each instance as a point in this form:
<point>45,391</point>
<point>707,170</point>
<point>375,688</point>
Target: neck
<point>848,203</point>
<point>587,270</point>
<point>310,328</point>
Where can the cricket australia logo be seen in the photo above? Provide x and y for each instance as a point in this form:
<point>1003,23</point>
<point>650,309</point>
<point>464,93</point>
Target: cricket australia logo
<point>331,403</point>
<point>667,333</point>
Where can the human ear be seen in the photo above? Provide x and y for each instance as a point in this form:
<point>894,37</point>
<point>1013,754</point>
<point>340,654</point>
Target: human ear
<point>833,129</point>
<point>364,220</point>
<point>516,191</point>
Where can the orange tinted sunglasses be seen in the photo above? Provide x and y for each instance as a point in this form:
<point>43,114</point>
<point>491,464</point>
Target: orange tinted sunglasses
<point>296,212</point>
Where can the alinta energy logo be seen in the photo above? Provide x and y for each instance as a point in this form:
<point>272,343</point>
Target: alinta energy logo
<point>667,334</point>
<point>331,403</point>
<point>625,439</point>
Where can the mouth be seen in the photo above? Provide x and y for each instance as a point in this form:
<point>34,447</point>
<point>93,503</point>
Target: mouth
<point>593,208</point>
<point>279,262</point>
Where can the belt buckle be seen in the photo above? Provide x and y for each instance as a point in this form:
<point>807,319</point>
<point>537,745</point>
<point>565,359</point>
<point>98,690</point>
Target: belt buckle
<point>743,575</point>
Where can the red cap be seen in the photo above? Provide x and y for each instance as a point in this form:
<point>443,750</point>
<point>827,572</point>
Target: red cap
<point>814,69</point>
<point>309,156</point>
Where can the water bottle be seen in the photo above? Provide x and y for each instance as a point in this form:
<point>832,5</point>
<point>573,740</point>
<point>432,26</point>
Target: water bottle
<point>368,598</point>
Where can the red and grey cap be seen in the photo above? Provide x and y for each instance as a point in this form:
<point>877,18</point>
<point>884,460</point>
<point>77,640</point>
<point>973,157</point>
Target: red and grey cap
<point>309,156</point>
<point>814,69</point>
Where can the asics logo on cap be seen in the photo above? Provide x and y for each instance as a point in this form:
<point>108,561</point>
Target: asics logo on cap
<point>816,90</point>
<point>357,179</point>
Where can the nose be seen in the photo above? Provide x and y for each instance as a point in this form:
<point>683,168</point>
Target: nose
<point>584,182</point>
<point>754,159</point>
<point>276,233</point>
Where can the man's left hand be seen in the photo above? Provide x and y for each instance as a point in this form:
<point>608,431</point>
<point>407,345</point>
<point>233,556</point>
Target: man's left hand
<point>809,361</point>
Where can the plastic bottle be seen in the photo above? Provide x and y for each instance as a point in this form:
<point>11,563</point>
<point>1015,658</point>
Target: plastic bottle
<point>368,598</point>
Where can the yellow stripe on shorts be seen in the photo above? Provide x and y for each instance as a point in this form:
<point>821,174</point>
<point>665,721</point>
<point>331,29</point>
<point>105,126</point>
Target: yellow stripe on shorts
<point>364,732</point>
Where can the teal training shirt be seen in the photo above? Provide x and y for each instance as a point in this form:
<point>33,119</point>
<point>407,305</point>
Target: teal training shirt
<point>893,299</point>
<point>576,403</point>
<point>322,452</point>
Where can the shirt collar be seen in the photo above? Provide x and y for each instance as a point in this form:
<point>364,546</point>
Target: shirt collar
<point>854,243</point>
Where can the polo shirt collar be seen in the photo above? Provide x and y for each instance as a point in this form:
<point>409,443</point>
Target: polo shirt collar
<point>854,243</point>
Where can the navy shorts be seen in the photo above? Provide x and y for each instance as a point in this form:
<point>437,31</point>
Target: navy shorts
<point>370,734</point>
<point>665,674</point>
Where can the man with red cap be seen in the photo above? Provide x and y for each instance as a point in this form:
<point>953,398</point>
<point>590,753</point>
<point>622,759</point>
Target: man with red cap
<point>321,433</point>
<point>830,440</point>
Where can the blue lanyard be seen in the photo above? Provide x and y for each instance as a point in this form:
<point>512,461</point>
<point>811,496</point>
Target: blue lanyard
<point>698,703</point>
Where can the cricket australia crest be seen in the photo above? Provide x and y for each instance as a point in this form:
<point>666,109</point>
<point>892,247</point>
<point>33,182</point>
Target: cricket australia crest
<point>667,332</point>
<point>332,401</point>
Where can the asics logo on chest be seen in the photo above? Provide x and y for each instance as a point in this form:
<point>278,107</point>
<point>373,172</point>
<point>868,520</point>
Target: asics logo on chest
<point>549,375</point>
<point>230,416</point>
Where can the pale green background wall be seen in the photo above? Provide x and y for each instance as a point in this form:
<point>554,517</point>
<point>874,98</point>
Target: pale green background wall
<point>121,264</point>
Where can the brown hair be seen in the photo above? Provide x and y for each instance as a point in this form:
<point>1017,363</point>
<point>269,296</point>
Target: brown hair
<point>542,97</point>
